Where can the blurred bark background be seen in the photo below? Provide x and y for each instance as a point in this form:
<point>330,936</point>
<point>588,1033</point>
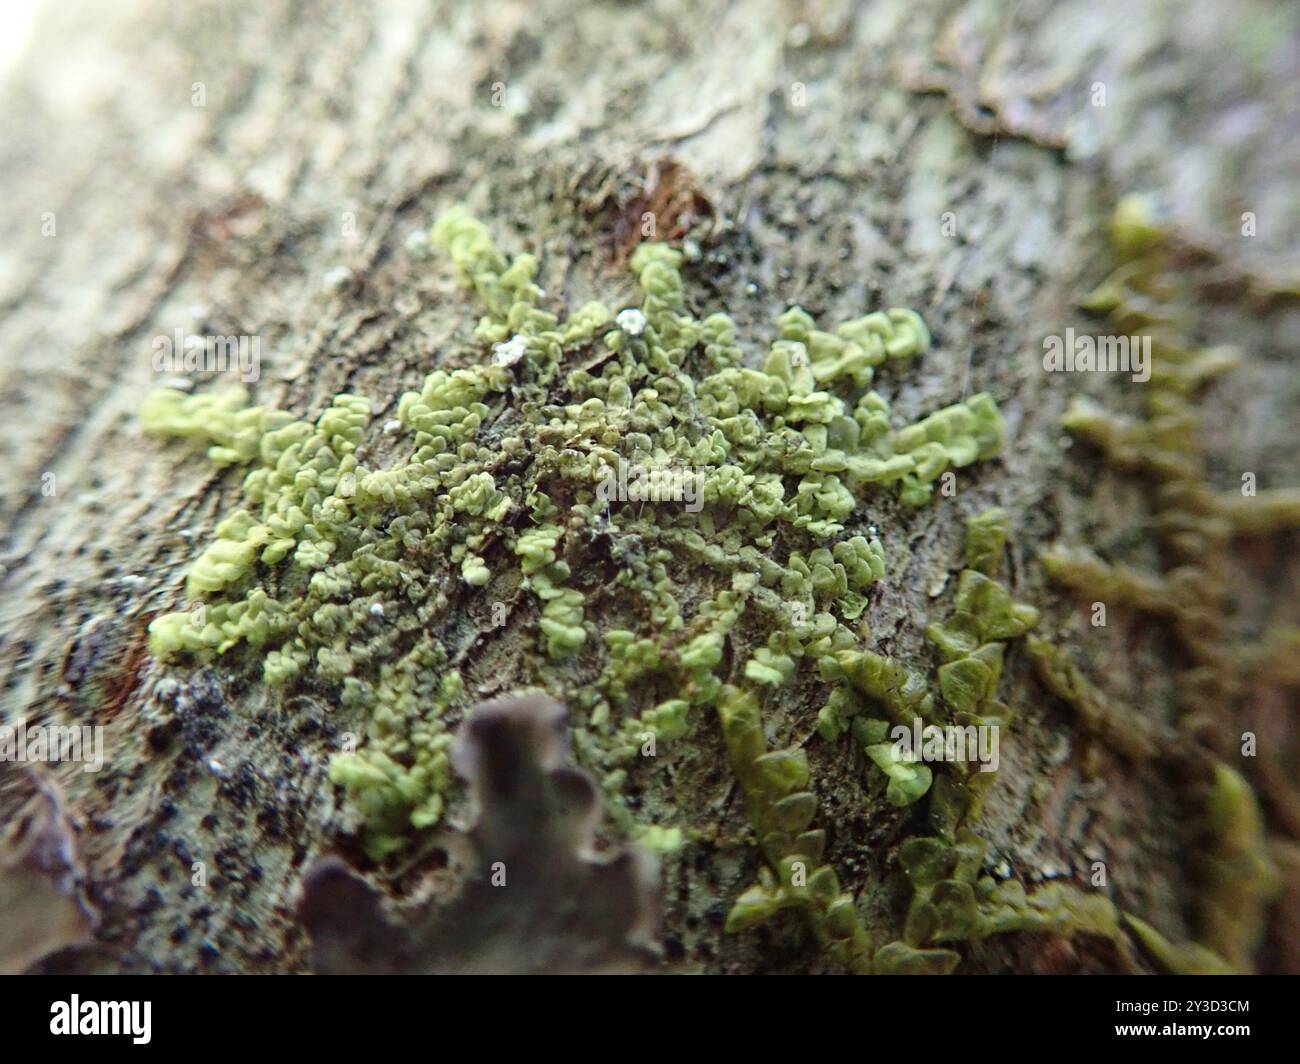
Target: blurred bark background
<point>210,167</point>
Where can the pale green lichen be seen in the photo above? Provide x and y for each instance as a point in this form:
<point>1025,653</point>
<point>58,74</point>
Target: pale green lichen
<point>341,572</point>
<point>235,431</point>
<point>399,777</point>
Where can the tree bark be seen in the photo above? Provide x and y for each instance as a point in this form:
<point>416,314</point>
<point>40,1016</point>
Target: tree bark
<point>209,168</point>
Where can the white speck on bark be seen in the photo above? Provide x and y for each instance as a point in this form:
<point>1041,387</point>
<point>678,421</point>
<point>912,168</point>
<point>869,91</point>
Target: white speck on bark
<point>417,243</point>
<point>510,352</point>
<point>631,321</point>
<point>336,278</point>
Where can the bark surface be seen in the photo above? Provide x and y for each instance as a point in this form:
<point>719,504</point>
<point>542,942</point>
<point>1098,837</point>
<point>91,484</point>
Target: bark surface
<point>820,146</point>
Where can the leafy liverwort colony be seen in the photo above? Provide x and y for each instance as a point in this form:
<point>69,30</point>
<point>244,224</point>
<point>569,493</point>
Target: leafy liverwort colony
<point>501,521</point>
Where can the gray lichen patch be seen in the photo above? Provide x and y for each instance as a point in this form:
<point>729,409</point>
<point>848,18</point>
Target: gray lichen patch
<point>535,896</point>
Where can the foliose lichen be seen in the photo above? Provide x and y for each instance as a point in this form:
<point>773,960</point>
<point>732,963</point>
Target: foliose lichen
<point>338,572</point>
<point>647,439</point>
<point>529,853</point>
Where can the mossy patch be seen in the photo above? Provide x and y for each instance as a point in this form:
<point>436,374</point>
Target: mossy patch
<point>340,573</point>
<point>346,575</point>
